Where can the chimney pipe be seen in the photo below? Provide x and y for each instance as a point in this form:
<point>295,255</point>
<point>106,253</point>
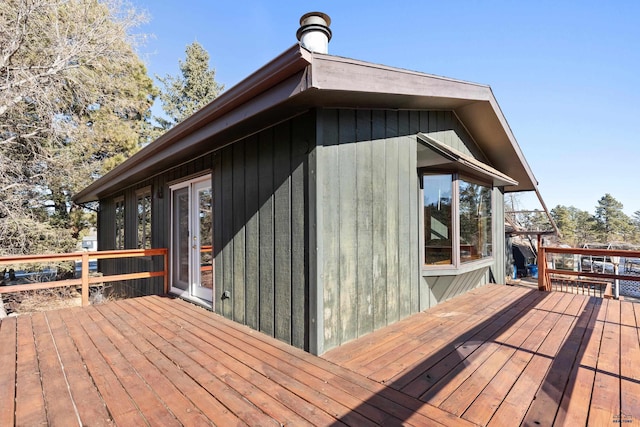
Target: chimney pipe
<point>314,33</point>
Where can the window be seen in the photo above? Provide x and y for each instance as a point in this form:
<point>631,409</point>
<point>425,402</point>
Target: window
<point>475,221</point>
<point>119,223</point>
<point>143,222</point>
<point>437,219</point>
<point>457,219</point>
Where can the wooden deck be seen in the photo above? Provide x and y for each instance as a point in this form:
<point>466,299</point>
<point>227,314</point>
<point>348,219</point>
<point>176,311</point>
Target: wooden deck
<point>503,355</point>
<point>499,355</point>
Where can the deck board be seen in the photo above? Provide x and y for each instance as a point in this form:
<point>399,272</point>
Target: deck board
<point>30,408</point>
<point>494,356</point>
<point>8,371</point>
<point>629,365</point>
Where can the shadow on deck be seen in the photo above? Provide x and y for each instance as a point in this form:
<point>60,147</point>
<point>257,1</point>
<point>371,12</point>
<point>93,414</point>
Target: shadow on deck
<point>503,355</point>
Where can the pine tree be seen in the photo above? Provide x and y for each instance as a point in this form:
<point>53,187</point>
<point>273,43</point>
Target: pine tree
<point>575,226</point>
<point>186,93</point>
<point>612,223</point>
<point>74,102</point>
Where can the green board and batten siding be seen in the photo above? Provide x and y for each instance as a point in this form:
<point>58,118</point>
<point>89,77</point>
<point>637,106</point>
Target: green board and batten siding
<point>368,218</point>
<point>261,258</point>
<point>317,224</point>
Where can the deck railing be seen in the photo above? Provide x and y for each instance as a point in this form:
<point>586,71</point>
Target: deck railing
<point>598,272</point>
<point>85,278</point>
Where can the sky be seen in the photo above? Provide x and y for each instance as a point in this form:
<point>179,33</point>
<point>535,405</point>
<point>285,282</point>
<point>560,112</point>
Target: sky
<point>564,72</point>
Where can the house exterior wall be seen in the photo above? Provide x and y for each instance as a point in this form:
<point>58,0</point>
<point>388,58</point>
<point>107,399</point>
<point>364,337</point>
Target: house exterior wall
<point>316,225</point>
<point>367,205</point>
<point>261,230</point>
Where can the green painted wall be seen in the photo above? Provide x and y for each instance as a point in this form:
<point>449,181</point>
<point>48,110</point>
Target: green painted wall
<point>260,223</point>
<point>317,224</point>
<point>367,209</point>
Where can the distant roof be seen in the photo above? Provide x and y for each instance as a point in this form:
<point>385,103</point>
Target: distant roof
<point>299,80</point>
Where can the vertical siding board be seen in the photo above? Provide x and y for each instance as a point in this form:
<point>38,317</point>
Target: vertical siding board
<point>433,125</point>
<point>498,244</point>
<point>218,249</point>
<point>423,121</point>
<point>227,232</point>
<point>364,200</point>
<point>300,143</point>
<point>348,223</point>
<point>239,219</point>
<point>282,232</point>
<point>379,218</point>
<point>252,232</point>
<point>266,271</point>
<point>414,228</point>
<point>414,213</point>
<point>446,127</point>
<point>404,215</point>
<point>392,171</point>
<point>328,160</point>
<point>314,229</point>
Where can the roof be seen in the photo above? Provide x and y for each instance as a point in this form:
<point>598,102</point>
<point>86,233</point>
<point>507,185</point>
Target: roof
<point>299,80</point>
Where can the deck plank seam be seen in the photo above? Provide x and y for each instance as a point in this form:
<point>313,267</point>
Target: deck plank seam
<point>64,372</point>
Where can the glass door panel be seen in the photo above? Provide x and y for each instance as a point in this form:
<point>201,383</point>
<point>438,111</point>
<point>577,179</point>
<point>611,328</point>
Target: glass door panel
<point>192,239</point>
<point>203,285</point>
<point>180,252</point>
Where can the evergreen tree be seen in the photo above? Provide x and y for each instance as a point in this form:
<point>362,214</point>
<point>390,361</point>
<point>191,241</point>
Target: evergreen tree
<point>74,102</point>
<point>195,87</point>
<point>575,225</point>
<point>611,222</point>
<point>635,222</point>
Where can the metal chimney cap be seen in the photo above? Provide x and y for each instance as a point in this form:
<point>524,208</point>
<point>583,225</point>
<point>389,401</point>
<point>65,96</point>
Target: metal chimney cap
<point>314,33</point>
<point>315,18</point>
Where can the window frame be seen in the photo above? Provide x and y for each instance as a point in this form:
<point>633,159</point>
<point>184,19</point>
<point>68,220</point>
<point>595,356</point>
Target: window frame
<point>457,266</point>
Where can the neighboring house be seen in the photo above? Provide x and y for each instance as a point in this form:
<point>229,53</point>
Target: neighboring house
<point>322,197</point>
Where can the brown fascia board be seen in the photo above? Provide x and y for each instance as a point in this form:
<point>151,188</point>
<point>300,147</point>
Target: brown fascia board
<point>494,137</point>
<point>298,80</point>
<point>282,77</point>
<point>349,75</point>
<point>387,87</point>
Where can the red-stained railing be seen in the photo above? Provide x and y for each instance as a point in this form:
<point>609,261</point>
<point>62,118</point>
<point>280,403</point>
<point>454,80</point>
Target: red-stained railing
<point>585,270</point>
<point>85,279</point>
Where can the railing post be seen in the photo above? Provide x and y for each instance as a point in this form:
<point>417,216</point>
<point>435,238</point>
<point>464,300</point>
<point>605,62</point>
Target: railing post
<point>542,268</point>
<point>85,278</point>
<point>166,271</point>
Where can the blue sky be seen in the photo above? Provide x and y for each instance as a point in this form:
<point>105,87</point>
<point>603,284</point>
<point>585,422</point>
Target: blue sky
<point>563,72</point>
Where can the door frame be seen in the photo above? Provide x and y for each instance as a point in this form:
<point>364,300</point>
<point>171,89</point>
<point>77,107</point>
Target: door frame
<point>192,185</point>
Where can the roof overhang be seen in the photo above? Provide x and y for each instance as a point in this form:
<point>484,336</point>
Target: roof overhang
<point>299,80</point>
